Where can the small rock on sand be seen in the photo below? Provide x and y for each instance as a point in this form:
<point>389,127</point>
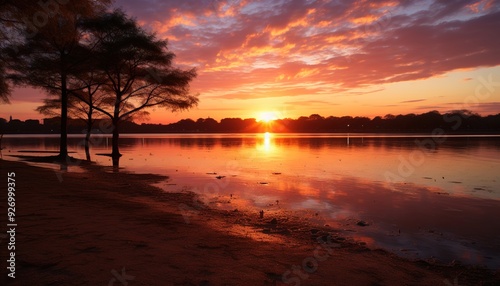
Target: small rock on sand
<point>362,223</point>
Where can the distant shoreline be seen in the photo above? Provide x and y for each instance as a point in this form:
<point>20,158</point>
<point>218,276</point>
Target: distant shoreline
<point>394,134</point>
<point>455,122</point>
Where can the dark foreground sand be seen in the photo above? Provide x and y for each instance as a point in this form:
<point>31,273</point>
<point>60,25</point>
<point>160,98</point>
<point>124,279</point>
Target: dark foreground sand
<point>102,228</point>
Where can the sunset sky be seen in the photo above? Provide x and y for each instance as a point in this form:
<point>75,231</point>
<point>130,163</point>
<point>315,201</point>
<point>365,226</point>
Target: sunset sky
<point>294,58</point>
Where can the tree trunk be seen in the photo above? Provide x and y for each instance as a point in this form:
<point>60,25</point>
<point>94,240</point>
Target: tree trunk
<point>89,132</point>
<point>63,143</point>
<point>87,147</point>
<point>115,153</point>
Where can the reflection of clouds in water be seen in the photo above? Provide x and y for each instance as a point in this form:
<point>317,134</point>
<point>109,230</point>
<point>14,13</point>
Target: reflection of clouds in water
<point>313,204</point>
<point>264,201</point>
<point>327,211</point>
<point>427,226</point>
<point>422,244</point>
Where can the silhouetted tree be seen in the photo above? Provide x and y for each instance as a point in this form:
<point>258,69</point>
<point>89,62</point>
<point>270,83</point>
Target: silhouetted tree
<point>231,125</point>
<point>51,56</point>
<point>430,120</point>
<point>186,125</point>
<point>139,71</point>
<point>250,125</point>
<point>207,125</point>
<point>86,95</point>
<point>84,100</point>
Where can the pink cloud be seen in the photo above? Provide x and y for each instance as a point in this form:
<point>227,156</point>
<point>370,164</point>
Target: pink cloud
<point>320,46</point>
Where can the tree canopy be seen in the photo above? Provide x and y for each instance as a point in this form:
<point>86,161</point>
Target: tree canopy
<point>26,23</point>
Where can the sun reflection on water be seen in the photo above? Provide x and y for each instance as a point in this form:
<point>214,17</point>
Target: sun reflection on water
<point>267,144</point>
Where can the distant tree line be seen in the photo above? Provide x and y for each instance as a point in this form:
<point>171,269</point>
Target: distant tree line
<point>462,122</point>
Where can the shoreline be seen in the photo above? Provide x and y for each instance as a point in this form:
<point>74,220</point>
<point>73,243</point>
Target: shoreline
<point>90,226</point>
<point>388,134</point>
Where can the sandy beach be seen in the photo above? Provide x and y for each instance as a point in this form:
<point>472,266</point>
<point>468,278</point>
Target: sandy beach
<point>102,228</point>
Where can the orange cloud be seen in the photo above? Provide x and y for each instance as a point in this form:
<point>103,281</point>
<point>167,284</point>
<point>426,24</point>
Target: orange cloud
<point>481,5</point>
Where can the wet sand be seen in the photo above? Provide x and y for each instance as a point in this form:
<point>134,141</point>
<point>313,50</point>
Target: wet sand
<point>104,228</point>
<point>411,220</point>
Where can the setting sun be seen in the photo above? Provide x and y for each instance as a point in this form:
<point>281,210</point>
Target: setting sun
<point>267,116</point>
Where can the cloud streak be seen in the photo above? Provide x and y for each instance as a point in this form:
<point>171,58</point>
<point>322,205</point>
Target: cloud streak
<point>413,101</point>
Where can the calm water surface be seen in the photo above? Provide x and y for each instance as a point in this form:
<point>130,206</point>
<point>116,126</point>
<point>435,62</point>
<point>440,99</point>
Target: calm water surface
<point>423,197</point>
